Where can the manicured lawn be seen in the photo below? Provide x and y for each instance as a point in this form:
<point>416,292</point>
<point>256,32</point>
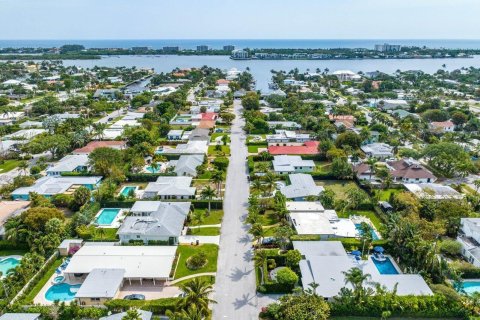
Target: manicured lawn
<point>207,279</point>
<point>254,149</point>
<point>9,165</point>
<point>385,194</point>
<point>338,186</point>
<point>186,251</point>
<point>206,175</point>
<point>212,151</point>
<point>208,231</point>
<point>214,136</point>
<point>366,213</point>
<point>269,218</point>
<point>322,166</point>
<point>215,217</point>
<point>269,231</point>
<point>36,289</point>
<point>106,234</point>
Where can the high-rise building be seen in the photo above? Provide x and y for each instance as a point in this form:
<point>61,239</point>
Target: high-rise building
<point>202,48</point>
<point>388,47</point>
<point>171,49</point>
<point>228,48</point>
<point>239,55</point>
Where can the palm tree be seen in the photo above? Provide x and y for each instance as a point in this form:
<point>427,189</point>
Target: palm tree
<point>257,232</point>
<point>217,178</point>
<point>208,193</point>
<point>101,232</point>
<point>132,314</point>
<point>3,285</point>
<point>371,163</point>
<point>257,186</point>
<point>191,313</point>
<point>356,278</point>
<point>270,178</point>
<point>197,293</point>
<point>23,165</point>
<point>198,217</point>
<point>260,260</point>
<point>154,165</point>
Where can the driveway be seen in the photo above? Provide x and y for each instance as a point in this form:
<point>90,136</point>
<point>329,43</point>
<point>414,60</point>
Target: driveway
<point>235,290</point>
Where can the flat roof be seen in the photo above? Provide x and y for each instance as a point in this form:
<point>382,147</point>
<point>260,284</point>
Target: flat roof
<point>324,223</point>
<point>304,206</point>
<point>145,315</point>
<point>138,261</point>
<point>20,316</point>
<point>320,248</point>
<point>101,283</point>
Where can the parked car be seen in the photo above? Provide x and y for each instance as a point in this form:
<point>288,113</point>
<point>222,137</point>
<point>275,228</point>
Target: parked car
<point>110,119</point>
<point>134,296</point>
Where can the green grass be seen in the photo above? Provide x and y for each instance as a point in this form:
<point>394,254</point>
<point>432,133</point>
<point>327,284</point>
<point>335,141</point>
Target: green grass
<point>207,231</point>
<point>207,279</point>
<point>9,165</point>
<point>110,234</point>
<point>338,186</point>
<point>270,231</point>
<point>216,135</point>
<point>254,149</point>
<point>185,251</point>
<point>206,175</point>
<point>215,217</point>
<point>269,218</point>
<point>212,151</point>
<point>385,194</point>
<point>36,289</point>
<point>322,166</point>
<point>365,213</point>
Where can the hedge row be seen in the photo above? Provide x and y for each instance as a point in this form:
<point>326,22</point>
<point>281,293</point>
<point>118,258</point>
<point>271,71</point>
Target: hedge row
<point>147,177</point>
<point>8,245</point>
<point>468,270</point>
<point>351,244</point>
<point>159,306</point>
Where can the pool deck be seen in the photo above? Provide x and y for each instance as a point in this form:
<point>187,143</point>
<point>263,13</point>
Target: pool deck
<point>40,298</point>
<point>394,263</point>
<point>116,223</point>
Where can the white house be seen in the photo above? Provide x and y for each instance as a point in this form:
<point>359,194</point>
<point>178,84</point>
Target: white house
<point>301,186</point>
<point>287,138</point>
<point>286,164</point>
<point>433,191</point>
<point>170,188</point>
<point>154,221</point>
<point>69,163</point>
<point>187,165</point>
<point>175,135</point>
<point>378,150</point>
<point>346,75</point>
<point>469,238</point>
<point>441,126</point>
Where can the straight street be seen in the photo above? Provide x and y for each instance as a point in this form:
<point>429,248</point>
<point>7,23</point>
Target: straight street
<point>235,290</point>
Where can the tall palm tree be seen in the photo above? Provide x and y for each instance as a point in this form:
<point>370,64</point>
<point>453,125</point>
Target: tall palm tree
<point>191,313</point>
<point>371,163</point>
<point>257,186</point>
<point>270,179</point>
<point>23,165</point>
<point>154,165</point>
<point>260,260</point>
<point>257,232</point>
<point>197,292</point>
<point>217,178</point>
<point>208,193</point>
<point>356,278</point>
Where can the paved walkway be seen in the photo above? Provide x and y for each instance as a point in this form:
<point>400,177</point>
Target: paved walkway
<point>171,283</point>
<point>201,239</point>
<point>235,290</point>
<point>205,226</point>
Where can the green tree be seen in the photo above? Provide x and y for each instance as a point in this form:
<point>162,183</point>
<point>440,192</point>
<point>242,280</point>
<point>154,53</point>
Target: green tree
<point>208,193</point>
<point>293,257</point>
<point>81,196</point>
<point>251,101</point>
<point>197,292</point>
<point>341,169</point>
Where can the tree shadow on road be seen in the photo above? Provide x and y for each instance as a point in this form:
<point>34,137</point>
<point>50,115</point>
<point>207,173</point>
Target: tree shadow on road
<point>238,274</point>
<point>244,239</point>
<point>245,300</point>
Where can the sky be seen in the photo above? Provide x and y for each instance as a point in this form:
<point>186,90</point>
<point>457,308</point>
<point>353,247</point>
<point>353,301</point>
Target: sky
<point>235,19</point>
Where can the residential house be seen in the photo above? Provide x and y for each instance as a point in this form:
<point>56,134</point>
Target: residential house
<point>346,75</point>
<point>69,164</point>
<point>347,121</point>
<point>175,135</point>
<point>325,263</point>
<point>392,104</point>
<point>26,134</point>
<point>308,148</point>
<point>187,165</point>
<point>170,188</point>
<point>91,146</point>
<point>199,134</point>
<point>310,218</point>
<point>441,126</point>
<point>469,238</point>
<point>403,170</point>
<point>287,138</point>
<point>49,186</point>
<point>30,124</point>
<point>153,221</point>
<point>191,147</point>
<point>67,246</point>
<point>378,150</point>
<point>301,186</point>
<point>109,94</point>
<point>433,191</point>
<point>288,125</point>
<point>144,315</point>
<point>286,164</point>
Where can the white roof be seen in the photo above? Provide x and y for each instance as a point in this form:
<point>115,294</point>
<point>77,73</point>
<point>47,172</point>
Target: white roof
<point>54,185</point>
<point>339,72</point>
<point>138,261</point>
<point>320,248</point>
<point>433,191</point>
<point>145,315</point>
<point>191,147</point>
<point>287,163</point>
<point>188,164</point>
<point>301,185</point>
<point>11,115</point>
<point>178,186</point>
<point>323,223</point>
<point>70,163</point>
<point>20,316</point>
<point>26,134</point>
<point>304,206</point>
<point>378,148</point>
<point>175,132</point>
<point>67,242</point>
<point>101,283</point>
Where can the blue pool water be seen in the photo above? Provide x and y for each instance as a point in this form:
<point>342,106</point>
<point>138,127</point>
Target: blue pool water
<point>126,190</point>
<point>107,216</point>
<point>470,287</point>
<point>385,267</point>
<point>8,264</point>
<point>374,234</point>
<point>62,292</point>
<point>152,170</point>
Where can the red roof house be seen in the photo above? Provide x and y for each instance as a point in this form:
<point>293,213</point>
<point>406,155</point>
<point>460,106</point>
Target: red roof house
<point>309,147</point>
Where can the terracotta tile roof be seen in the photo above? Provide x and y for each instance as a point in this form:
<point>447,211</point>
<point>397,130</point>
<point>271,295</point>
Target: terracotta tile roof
<point>209,115</point>
<point>100,144</point>
<point>341,117</point>
<point>442,124</point>
<point>206,124</point>
<point>222,81</point>
<point>309,147</point>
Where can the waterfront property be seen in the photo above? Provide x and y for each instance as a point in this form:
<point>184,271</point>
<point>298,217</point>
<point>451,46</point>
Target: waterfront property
<point>325,262</point>
<point>69,164</point>
<point>301,186</point>
<point>170,188</point>
<point>49,186</point>
<point>154,221</point>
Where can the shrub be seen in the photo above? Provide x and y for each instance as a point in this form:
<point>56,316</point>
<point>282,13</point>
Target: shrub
<point>35,170</point>
<point>197,261</point>
<point>293,258</point>
<point>287,277</point>
<point>221,163</point>
<point>468,270</point>
<point>159,306</point>
<point>450,247</point>
<point>62,200</point>
<point>271,264</point>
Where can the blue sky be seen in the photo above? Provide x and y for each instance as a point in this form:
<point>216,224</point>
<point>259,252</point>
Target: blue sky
<point>234,19</point>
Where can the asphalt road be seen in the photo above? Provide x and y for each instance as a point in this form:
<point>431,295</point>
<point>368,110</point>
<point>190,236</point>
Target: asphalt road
<point>235,290</point>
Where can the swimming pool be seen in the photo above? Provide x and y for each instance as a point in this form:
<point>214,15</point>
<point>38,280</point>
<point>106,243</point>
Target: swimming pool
<point>154,170</point>
<point>62,292</point>
<point>8,264</point>
<point>107,216</point>
<point>126,191</point>
<point>470,287</point>
<point>359,229</point>
<point>385,267</point>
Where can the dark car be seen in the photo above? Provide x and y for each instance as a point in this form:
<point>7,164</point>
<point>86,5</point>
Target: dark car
<point>110,119</point>
<point>134,297</point>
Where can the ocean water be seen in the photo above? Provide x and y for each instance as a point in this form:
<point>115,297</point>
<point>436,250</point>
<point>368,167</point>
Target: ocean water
<point>247,43</point>
<point>261,69</point>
